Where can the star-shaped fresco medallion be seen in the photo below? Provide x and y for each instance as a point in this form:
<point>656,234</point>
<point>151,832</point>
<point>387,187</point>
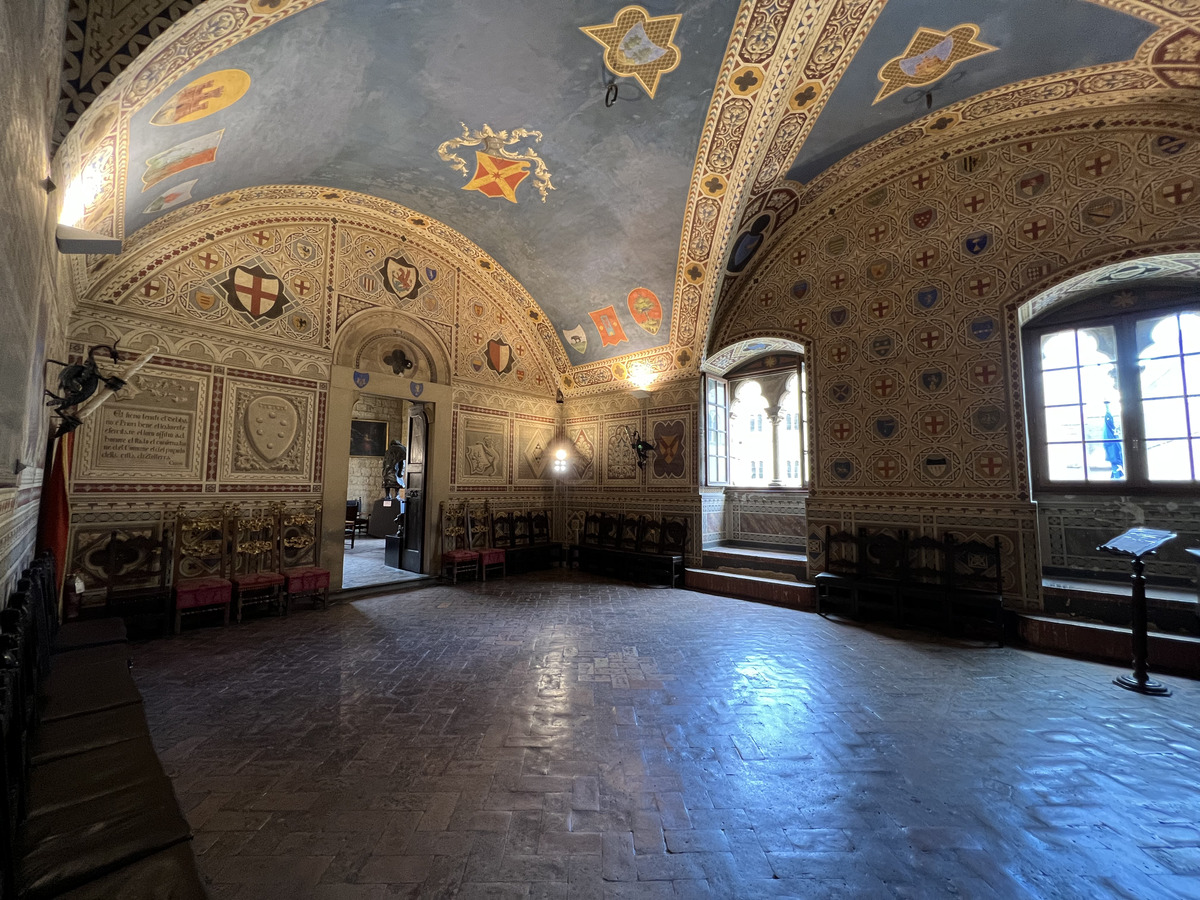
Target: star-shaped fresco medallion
<point>638,45</point>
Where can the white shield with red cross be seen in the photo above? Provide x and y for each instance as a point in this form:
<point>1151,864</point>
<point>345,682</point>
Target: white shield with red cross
<point>255,292</point>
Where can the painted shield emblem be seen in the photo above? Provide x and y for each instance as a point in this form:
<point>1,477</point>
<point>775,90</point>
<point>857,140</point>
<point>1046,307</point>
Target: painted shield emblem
<point>400,278</point>
<point>885,426</point>
<point>431,274</point>
<point>1032,183</point>
<point>646,309</point>
<point>843,468</point>
<point>1102,211</point>
<point>416,387</point>
<point>271,426</point>
<point>361,379</point>
<point>669,459</point>
<point>983,328</point>
<point>576,339</point>
<point>936,466</point>
<point>204,299</point>
<point>923,218</point>
<point>933,380</point>
<point>838,315</point>
<point>500,356</point>
<point>799,290</point>
<point>977,243</point>
<point>879,269</point>
<point>253,292</point>
<point>883,345</point>
<point>841,391</point>
<point>1168,145</point>
<point>988,418</point>
<point>927,298</point>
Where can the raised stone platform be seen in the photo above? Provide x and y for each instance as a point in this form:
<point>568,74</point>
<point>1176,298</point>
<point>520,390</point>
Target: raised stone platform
<point>751,587</point>
<point>782,565</point>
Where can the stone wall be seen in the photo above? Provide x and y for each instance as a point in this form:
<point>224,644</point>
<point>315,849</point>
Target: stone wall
<point>772,516</point>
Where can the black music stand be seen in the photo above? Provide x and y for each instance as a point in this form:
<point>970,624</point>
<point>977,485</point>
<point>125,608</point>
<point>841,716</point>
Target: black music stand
<point>1136,543</point>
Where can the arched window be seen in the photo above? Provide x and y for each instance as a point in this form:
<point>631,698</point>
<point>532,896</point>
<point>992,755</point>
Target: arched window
<point>1115,399</point>
<point>764,426</point>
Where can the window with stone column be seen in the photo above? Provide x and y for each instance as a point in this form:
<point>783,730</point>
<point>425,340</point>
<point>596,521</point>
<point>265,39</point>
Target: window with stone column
<point>768,431</point>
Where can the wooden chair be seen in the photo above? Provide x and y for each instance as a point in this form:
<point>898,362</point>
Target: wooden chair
<point>299,532</point>
<point>353,508</point>
<point>478,539</point>
<point>457,558</point>
<point>257,581</point>
<point>136,566</point>
<point>201,565</point>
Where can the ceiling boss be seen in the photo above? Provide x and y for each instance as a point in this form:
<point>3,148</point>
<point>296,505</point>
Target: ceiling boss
<point>498,170</point>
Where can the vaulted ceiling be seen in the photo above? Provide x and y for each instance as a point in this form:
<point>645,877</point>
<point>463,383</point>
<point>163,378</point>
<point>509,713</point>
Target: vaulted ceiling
<point>626,165</point>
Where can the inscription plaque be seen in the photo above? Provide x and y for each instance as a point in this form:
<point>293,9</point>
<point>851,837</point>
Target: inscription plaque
<point>135,439</point>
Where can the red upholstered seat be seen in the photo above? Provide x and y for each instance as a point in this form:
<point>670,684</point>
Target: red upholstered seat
<point>192,593</point>
<point>459,561</point>
<point>491,557</point>
<point>306,581</point>
<point>258,580</point>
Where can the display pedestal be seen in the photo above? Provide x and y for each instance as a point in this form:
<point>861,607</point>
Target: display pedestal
<point>393,547</point>
<point>1134,544</point>
<point>383,517</point>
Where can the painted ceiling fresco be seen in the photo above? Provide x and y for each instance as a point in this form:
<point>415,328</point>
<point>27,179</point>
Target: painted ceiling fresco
<point>490,117</point>
<point>624,164</point>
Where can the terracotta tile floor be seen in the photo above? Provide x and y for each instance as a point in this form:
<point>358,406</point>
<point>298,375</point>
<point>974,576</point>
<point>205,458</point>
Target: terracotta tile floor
<point>550,736</point>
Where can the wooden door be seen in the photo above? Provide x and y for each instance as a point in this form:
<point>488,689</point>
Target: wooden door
<point>414,489</point>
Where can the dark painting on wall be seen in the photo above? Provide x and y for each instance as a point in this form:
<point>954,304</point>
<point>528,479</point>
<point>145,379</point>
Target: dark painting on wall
<point>368,438</point>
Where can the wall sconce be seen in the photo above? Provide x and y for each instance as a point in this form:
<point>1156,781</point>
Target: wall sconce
<point>559,464</point>
<point>640,446</point>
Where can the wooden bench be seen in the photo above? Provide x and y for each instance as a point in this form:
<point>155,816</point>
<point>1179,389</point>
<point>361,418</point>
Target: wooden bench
<point>636,548</point>
<point>524,536</point>
<point>86,809</point>
<point>943,583</point>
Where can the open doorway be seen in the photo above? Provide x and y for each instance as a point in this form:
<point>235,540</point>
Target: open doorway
<point>373,514</point>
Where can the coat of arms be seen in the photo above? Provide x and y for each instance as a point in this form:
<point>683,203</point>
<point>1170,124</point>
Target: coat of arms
<point>498,170</point>
<point>400,278</point>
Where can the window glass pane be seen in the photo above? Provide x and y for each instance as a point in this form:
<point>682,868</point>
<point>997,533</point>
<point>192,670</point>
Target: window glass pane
<point>1062,424</point>
<point>1189,327</point>
<point>1162,377</point>
<point>1165,418</point>
<point>1194,415</point>
<point>1158,337</point>
<point>1106,461</point>
<point>1191,374</point>
<point>1065,462</point>
<point>1058,350</point>
<point>1098,383</point>
<point>1061,386</point>
<point>1168,460</point>
<point>1097,345</point>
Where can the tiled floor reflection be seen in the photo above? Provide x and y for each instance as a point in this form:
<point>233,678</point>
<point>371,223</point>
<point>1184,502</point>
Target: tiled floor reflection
<point>549,736</point>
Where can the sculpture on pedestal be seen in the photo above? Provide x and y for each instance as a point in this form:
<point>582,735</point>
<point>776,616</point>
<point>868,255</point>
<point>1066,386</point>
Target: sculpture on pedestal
<point>393,478</point>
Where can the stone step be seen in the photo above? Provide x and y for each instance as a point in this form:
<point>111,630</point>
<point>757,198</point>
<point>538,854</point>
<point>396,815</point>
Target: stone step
<point>1176,654</point>
<point>796,595</point>
<point>781,565</point>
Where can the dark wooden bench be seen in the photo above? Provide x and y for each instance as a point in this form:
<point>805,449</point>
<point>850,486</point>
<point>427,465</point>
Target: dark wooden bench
<point>86,809</point>
<point>636,548</point>
<point>943,583</point>
<point>524,536</point>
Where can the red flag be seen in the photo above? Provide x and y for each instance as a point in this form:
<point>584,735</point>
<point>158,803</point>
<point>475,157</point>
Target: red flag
<point>54,516</point>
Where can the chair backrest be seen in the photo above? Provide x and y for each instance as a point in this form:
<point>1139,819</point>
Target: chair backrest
<point>539,526</point>
<point>674,535</point>
<point>452,525</point>
<point>650,535</point>
<point>479,531</point>
<point>610,530</point>
<point>883,555</point>
<point>925,560</point>
<point>974,565</point>
<point>841,552</point>
<point>522,530</point>
<point>629,532</point>
<point>502,530</point>
<point>134,559</point>
<point>299,532</point>
<point>255,542</point>
<point>201,544</point>
<point>591,529</point>
<point>353,507</point>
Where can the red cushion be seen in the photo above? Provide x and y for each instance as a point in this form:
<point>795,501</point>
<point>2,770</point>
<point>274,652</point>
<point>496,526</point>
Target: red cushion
<point>306,578</point>
<point>460,555</point>
<point>257,580</point>
<point>491,556</point>
<point>193,592</point>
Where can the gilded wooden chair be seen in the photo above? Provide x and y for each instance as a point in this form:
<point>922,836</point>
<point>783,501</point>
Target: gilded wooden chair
<point>479,533</point>
<point>299,532</point>
<point>457,557</point>
<point>257,579</point>
<point>201,566</point>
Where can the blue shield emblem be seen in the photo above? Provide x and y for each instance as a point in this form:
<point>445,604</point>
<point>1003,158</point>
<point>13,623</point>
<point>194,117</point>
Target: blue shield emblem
<point>988,418</point>
<point>838,315</point>
<point>361,379</point>
<point>799,289</point>
<point>933,379</point>
<point>977,243</point>
<point>882,345</point>
<point>843,468</point>
<point>928,298</point>
<point>885,426</point>
<point>840,392</point>
<point>983,328</point>
<point>416,387</point>
<point>431,274</point>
